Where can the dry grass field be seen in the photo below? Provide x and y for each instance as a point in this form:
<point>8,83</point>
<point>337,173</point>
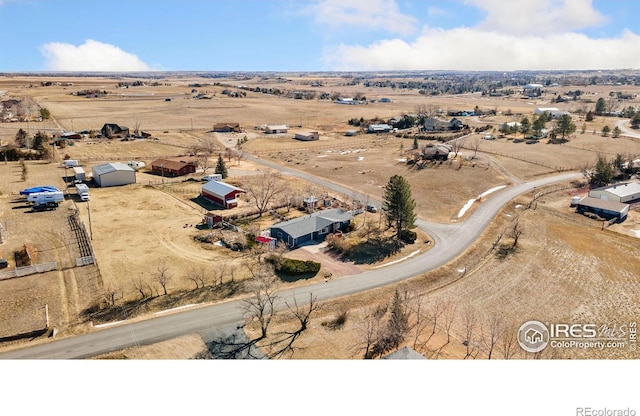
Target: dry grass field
<point>560,270</point>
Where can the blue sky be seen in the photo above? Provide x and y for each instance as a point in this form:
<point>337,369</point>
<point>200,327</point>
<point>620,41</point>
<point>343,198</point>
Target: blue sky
<point>317,35</point>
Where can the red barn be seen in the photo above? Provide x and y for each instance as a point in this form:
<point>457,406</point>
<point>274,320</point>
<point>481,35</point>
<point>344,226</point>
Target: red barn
<point>221,193</point>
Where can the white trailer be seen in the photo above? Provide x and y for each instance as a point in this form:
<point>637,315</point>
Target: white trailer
<point>45,199</point>
<point>79,173</point>
<point>70,163</point>
<point>83,191</point>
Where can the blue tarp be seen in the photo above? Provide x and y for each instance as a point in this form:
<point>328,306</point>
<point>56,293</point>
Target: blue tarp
<point>36,189</point>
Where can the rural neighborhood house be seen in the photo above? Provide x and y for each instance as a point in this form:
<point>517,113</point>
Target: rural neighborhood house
<point>312,227</point>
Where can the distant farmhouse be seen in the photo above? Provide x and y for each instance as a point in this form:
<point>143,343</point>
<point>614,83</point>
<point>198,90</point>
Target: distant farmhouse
<point>226,127</point>
<point>276,128</point>
<point>437,152</point>
<point>114,131</point>
<point>221,193</point>
<point>307,135</point>
<point>552,111</point>
<point>113,174</point>
<point>178,166</point>
<point>432,124</point>
<point>310,227</point>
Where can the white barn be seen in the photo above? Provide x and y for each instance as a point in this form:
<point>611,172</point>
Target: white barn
<point>113,174</point>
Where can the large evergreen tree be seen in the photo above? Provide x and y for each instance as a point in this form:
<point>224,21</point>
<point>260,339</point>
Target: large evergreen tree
<point>601,106</point>
<point>398,324</point>
<point>398,205</point>
<point>565,125</point>
<point>221,167</point>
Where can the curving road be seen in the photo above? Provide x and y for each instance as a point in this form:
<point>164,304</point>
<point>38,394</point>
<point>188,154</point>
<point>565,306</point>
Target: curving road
<point>450,240</point>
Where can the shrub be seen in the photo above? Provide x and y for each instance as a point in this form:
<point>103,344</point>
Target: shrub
<point>408,236</point>
<point>293,267</point>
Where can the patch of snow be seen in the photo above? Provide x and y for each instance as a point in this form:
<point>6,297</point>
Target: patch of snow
<point>360,158</point>
<point>466,207</point>
<point>175,309</point>
<point>323,155</point>
<point>636,232</point>
<point>399,260</point>
<point>518,206</point>
<point>345,152</point>
<point>403,160</point>
<point>485,193</point>
<point>329,151</point>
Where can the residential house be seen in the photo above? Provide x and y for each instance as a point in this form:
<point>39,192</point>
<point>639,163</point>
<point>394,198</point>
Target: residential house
<point>221,193</point>
<point>226,127</point>
<point>456,124</point>
<point>114,131</point>
<point>437,152</point>
<point>312,227</point>
<point>172,167</point>
<point>432,124</point>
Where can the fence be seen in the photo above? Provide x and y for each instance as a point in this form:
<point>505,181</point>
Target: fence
<point>83,261</point>
<point>27,270</point>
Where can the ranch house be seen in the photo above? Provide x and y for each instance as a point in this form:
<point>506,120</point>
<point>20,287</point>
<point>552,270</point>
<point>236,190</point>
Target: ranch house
<point>276,129</point>
<point>226,127</point>
<point>174,166</point>
<point>312,227</point>
<point>221,193</point>
<point>113,131</point>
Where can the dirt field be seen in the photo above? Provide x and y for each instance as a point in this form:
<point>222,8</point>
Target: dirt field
<point>135,228</point>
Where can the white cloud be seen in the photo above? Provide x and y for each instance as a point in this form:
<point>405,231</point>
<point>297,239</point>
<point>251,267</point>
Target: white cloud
<point>529,17</point>
<point>90,56</point>
<point>473,49</point>
<point>363,15</point>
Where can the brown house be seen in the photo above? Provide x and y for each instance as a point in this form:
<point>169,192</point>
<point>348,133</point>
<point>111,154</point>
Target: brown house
<point>226,127</point>
<point>178,166</point>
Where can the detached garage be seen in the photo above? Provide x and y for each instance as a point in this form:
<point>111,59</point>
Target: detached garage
<point>221,193</point>
<point>113,174</point>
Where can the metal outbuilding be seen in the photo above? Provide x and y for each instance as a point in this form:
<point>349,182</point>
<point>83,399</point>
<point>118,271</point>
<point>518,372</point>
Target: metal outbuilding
<point>113,174</point>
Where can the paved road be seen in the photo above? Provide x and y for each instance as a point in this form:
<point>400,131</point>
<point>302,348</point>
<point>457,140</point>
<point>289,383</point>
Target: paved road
<point>450,240</point>
<point>626,131</point>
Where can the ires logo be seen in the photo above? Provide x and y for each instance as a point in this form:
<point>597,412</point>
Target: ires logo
<point>566,331</point>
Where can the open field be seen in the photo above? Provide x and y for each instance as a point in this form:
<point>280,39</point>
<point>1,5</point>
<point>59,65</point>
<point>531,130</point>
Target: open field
<point>136,228</point>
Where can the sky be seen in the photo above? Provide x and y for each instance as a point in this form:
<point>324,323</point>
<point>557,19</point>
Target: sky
<point>318,35</point>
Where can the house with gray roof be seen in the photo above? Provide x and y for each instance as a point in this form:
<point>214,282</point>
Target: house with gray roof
<point>625,192</point>
<point>312,227</point>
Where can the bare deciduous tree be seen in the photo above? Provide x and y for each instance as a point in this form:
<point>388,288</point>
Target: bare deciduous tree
<point>470,322</point>
<point>457,145</point>
<point>303,315</point>
<point>515,231</point>
<point>475,144</point>
<point>163,276</point>
<point>491,334</point>
<point>260,305</point>
<point>508,345</point>
<point>449,316</point>
<point>263,189</point>
<point>140,284</point>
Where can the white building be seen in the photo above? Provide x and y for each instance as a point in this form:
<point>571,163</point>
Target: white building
<point>620,192</point>
<point>553,112</point>
<point>276,128</point>
<point>113,174</point>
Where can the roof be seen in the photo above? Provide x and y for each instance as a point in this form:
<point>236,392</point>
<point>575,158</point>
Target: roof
<point>277,127</point>
<point>174,163</point>
<point>307,224</point>
<point>621,189</point>
<point>379,127</point>
<point>611,206</point>
<point>223,125</point>
<point>111,167</point>
<point>220,188</point>
<point>405,353</point>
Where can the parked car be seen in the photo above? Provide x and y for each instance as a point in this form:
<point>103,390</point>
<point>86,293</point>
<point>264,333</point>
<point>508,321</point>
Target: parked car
<point>372,208</point>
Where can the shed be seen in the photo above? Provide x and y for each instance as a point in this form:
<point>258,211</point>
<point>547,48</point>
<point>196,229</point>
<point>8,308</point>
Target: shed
<point>308,136</point>
<point>603,208</point>
<point>621,192</point>
<point>113,174</point>
<point>312,227</point>
<point>276,128</point>
<point>79,173</point>
<point>221,193</point>
<point>212,220</point>
<point>379,128</point>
